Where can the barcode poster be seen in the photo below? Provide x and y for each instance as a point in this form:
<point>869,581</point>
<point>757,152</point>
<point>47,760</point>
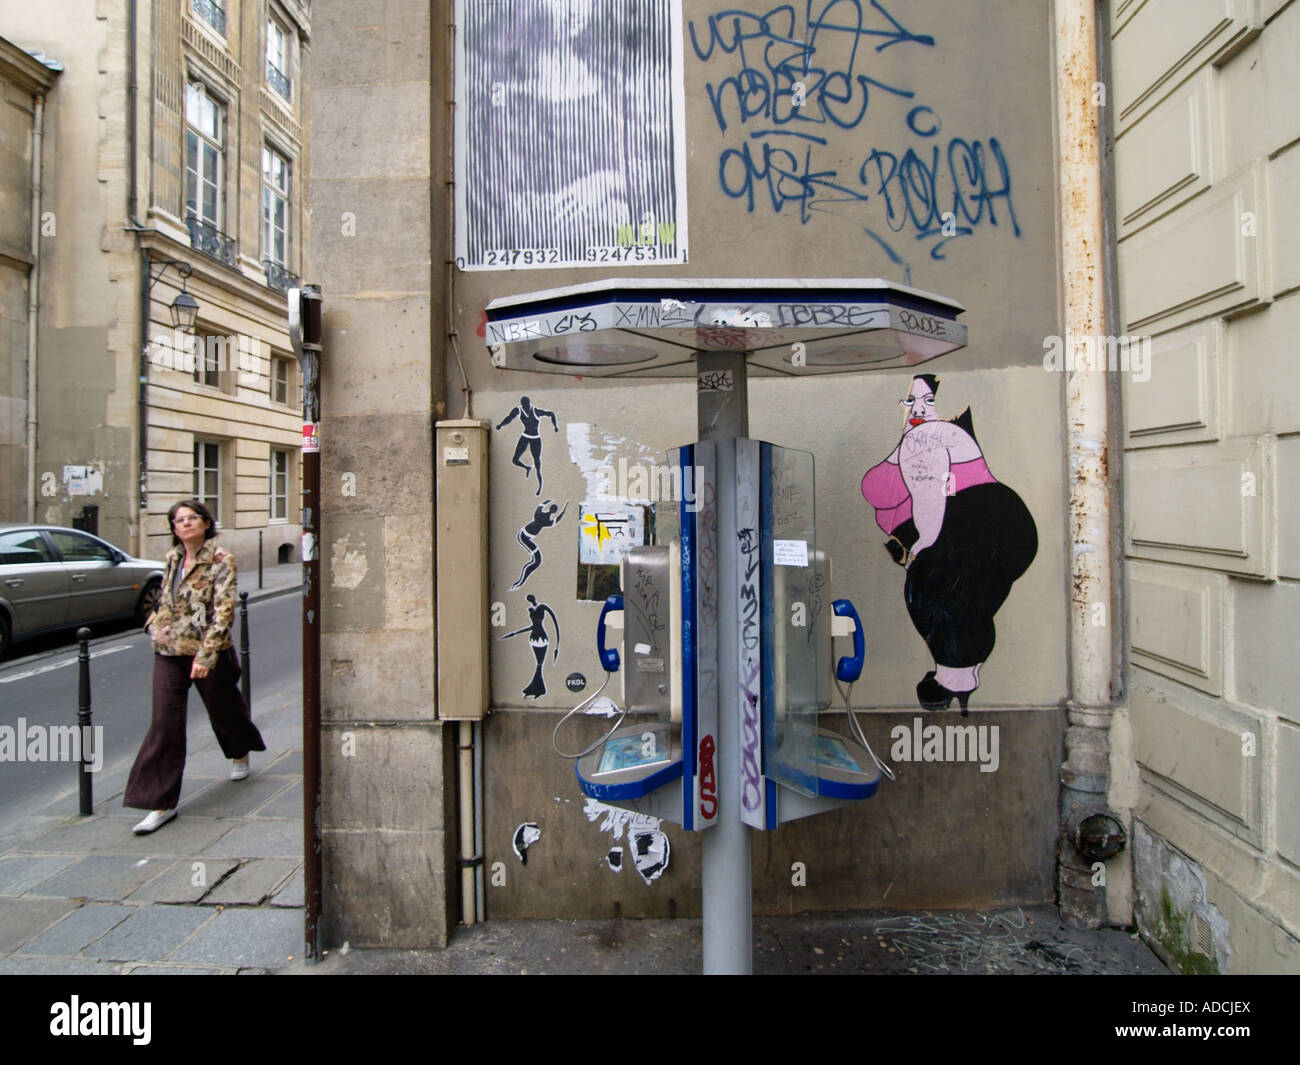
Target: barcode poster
<point>570,133</point>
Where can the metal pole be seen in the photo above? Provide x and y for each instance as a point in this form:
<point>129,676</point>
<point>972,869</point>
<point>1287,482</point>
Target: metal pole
<point>83,721</point>
<point>309,352</point>
<point>259,560</point>
<point>247,679</point>
<point>728,904</point>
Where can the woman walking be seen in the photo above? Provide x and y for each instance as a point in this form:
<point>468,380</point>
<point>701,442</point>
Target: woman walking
<point>192,643</point>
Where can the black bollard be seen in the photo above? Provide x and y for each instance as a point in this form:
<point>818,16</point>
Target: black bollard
<point>246,684</point>
<point>83,721</point>
<point>259,560</point>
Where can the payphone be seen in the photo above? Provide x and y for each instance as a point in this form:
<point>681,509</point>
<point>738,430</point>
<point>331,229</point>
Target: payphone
<point>667,616</point>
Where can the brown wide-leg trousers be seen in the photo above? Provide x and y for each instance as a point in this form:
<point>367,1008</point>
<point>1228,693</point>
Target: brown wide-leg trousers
<point>155,780</point>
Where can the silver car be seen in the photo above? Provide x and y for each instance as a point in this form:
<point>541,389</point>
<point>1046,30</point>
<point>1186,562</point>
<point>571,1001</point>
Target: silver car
<point>56,578</point>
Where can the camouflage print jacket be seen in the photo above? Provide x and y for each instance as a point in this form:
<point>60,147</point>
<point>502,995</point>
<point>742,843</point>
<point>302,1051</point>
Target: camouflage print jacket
<point>198,619</point>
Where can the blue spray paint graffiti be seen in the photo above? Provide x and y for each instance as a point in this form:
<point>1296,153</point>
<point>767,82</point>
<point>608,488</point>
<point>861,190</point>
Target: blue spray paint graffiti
<point>797,88</point>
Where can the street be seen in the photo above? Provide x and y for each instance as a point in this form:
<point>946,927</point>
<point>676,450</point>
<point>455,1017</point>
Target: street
<point>41,689</point>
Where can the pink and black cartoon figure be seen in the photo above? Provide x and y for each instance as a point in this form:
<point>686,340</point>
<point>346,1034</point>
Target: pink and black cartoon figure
<point>963,538</point>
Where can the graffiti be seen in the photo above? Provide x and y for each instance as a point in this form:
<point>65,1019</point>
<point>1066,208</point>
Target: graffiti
<point>751,785</point>
<point>650,847</point>
<point>530,436</point>
<point>708,783</point>
<point>787,84</point>
<point>962,537</point>
<point>538,641</point>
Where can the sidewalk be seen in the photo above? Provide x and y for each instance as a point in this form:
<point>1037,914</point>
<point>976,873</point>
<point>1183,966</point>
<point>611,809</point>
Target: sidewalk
<point>220,890</point>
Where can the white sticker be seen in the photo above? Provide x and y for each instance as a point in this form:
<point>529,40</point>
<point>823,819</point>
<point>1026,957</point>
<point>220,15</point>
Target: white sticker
<point>714,381</point>
<point>790,552</point>
<point>455,456</point>
<point>641,649</point>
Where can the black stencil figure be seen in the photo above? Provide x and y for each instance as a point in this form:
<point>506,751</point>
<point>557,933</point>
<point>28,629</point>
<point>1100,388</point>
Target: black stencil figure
<point>544,517</point>
<point>530,439</point>
<point>539,641</point>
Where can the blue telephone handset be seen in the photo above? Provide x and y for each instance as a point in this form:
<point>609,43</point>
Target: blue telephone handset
<point>609,655</point>
<point>849,668</point>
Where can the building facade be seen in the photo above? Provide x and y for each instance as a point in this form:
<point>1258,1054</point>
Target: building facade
<point>175,162</point>
<point>1136,677</point>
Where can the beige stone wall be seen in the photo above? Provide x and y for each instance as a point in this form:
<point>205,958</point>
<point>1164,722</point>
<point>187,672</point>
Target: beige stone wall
<point>1206,165</point>
<point>388,832</point>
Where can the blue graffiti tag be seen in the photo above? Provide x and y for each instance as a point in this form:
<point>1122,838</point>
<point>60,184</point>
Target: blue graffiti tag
<point>795,90</point>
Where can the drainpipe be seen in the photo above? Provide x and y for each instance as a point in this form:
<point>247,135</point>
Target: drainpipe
<point>34,301</point>
<point>1084,774</point>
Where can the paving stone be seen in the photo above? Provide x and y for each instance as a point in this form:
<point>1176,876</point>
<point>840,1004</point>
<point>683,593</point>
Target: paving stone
<point>103,877</point>
<point>176,883</point>
<point>266,938</point>
<point>293,893</point>
<point>57,967</point>
<point>177,970</point>
<point>254,882</point>
<point>150,934</point>
<point>20,874</point>
<point>179,838</point>
<point>287,804</point>
<point>236,798</point>
<point>78,930</point>
<point>262,838</point>
<point>23,919</point>
<point>288,763</point>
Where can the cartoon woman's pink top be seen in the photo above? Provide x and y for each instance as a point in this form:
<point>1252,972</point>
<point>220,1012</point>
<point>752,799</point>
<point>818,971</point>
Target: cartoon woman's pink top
<point>884,489</point>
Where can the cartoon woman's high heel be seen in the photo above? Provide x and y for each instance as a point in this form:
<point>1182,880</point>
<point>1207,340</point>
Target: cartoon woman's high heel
<point>934,696</point>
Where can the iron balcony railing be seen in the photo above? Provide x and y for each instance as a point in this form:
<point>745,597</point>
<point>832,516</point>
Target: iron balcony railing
<point>277,80</point>
<point>277,277</point>
<point>212,13</point>
<point>208,239</point>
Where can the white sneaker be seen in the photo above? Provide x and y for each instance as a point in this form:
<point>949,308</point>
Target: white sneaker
<point>153,822</point>
<point>238,769</point>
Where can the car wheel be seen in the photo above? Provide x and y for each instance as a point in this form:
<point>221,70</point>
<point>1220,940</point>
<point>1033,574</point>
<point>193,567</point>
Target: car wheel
<point>5,637</point>
<point>148,602</point>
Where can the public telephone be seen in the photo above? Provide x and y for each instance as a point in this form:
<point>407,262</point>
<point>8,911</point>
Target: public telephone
<point>665,658</point>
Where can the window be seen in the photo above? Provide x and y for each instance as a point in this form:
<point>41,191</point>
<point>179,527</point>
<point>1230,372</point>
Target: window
<point>275,207</point>
<point>212,12</point>
<point>78,548</point>
<point>277,59</point>
<point>204,145</point>
<point>280,381</point>
<point>24,549</point>
<point>208,361</point>
<point>279,485</point>
<point>207,476</point>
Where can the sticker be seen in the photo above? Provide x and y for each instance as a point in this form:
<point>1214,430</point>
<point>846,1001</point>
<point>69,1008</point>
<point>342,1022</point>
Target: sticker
<point>525,836</point>
<point>539,641</point>
<point>310,437</point>
<point>455,456</point>
<point>309,547</point>
<point>641,649</point>
<point>714,381</point>
<point>575,682</point>
<point>790,552</point>
<point>614,859</point>
<point>547,514</point>
<point>650,852</point>
<point>530,437</point>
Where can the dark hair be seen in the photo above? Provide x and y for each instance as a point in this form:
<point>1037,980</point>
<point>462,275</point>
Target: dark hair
<point>930,380</point>
<point>199,509</point>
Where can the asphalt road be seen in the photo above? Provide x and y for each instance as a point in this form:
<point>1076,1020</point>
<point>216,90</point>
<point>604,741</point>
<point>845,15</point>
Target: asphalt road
<point>40,687</point>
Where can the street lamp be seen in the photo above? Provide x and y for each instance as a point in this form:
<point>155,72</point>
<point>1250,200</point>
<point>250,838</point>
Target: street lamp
<point>184,308</point>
